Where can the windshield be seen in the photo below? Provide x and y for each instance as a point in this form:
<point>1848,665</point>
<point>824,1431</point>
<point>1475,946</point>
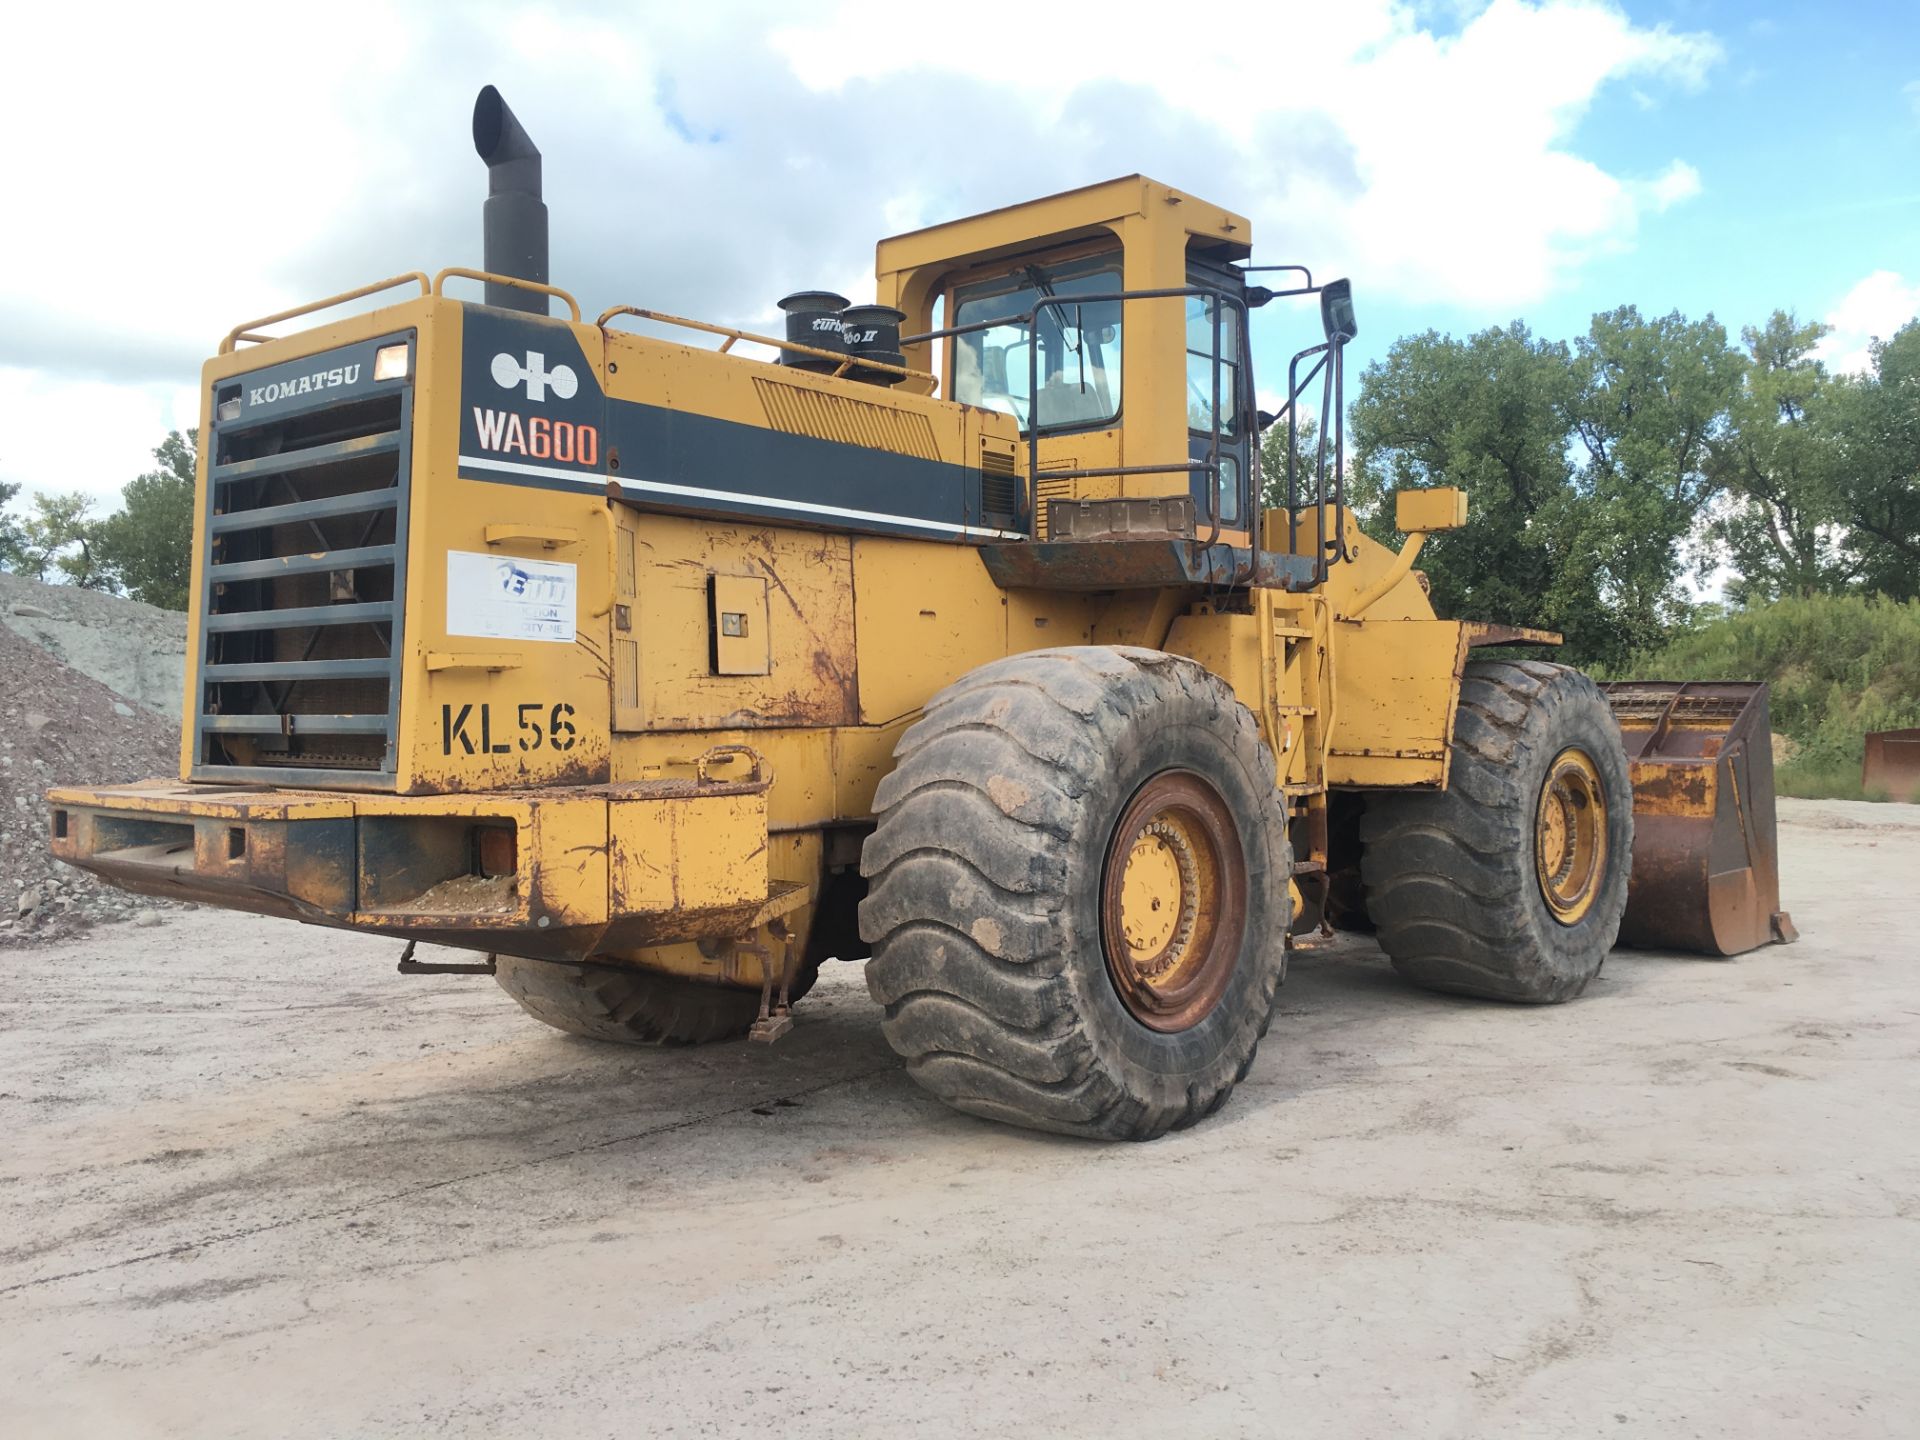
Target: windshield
<point>1079,345</point>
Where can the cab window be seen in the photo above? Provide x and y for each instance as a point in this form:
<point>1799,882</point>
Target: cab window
<point>1079,346</point>
<point>1200,417</point>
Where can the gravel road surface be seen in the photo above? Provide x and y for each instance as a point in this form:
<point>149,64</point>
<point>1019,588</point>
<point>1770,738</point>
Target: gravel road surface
<point>255,1183</point>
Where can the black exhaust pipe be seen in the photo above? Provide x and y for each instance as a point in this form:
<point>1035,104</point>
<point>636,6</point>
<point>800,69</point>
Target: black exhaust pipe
<point>514,220</point>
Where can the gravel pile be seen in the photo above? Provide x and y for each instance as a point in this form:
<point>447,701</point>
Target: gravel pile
<point>58,727</point>
<point>137,651</point>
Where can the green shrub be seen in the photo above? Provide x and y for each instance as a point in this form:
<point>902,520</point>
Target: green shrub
<point>1839,666</point>
<point>1821,781</point>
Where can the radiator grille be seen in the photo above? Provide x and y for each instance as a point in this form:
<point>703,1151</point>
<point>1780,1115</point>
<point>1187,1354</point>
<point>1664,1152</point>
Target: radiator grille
<point>800,411</point>
<point>303,566</point>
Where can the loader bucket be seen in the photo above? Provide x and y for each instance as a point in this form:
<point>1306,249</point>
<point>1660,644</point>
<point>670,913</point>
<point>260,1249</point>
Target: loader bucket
<point>1706,856</point>
<point>1893,763</point>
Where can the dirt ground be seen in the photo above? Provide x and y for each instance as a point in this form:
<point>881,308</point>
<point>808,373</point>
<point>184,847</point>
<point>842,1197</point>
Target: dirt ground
<point>255,1183</point>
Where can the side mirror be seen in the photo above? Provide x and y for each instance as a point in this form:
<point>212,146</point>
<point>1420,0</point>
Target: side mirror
<point>1336,311</point>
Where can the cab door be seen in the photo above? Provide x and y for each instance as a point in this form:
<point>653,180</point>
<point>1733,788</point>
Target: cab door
<point>1202,419</point>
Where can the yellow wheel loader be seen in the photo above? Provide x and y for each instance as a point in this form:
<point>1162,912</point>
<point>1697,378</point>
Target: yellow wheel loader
<point>961,631</point>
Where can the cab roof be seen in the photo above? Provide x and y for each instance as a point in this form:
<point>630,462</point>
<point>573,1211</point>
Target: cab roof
<point>1118,206</point>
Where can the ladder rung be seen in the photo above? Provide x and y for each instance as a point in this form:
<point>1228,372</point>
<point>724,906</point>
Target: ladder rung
<point>364,558</point>
<point>1295,710</point>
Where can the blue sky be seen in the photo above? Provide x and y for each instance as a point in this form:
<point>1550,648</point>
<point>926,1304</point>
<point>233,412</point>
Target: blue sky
<point>1806,138</point>
<point>1466,162</point>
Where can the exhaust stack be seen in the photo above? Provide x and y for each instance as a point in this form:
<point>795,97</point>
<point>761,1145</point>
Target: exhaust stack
<point>514,219</point>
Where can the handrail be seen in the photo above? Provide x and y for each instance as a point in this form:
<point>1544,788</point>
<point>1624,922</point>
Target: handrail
<point>762,773</point>
<point>612,527</point>
<point>242,331</point>
<point>1331,360</point>
<point>845,361</point>
<point>487,277</point>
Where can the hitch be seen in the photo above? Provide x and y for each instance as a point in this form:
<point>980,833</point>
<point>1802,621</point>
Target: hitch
<point>776,1018</point>
<point>410,966</point>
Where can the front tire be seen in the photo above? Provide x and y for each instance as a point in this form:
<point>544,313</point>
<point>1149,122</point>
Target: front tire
<point>1079,893</point>
<point>1510,884</point>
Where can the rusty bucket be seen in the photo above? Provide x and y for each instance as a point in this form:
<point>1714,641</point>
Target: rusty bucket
<point>1706,854</point>
<point>1893,763</point>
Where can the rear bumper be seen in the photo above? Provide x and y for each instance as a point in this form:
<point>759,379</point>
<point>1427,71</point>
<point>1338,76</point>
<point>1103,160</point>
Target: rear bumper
<point>559,874</point>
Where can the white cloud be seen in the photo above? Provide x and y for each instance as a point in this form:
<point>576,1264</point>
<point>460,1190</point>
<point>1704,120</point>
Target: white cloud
<point>716,156</point>
<point>1872,310</point>
<point>1679,181</point>
<point>58,429</point>
<point>1442,168</point>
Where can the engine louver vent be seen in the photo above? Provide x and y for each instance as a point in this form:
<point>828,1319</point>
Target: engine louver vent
<point>799,410</point>
<point>999,483</point>
<point>1051,489</point>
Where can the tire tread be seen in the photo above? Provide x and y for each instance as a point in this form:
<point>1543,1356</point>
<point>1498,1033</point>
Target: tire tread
<point>965,910</point>
<point>1449,875</point>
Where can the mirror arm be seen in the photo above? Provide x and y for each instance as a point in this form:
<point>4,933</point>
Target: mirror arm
<point>1402,563</point>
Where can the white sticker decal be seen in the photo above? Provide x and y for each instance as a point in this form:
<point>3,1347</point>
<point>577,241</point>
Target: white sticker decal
<point>503,597</point>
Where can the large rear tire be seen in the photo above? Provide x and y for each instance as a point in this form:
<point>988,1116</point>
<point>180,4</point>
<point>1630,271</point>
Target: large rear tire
<point>1079,893</point>
<point>1510,884</point>
<point>632,1006</point>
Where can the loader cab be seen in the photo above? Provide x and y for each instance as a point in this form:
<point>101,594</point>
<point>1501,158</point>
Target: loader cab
<point>1019,312</point>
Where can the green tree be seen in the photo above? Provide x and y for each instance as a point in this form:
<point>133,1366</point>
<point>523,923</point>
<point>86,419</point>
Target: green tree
<point>147,546</point>
<point>1876,419</point>
<point>1586,468</point>
<point>1775,521</point>
<point>1650,400</point>
<point>1490,415</point>
<point>59,537</point>
<point>1273,461</point>
<point>13,536</point>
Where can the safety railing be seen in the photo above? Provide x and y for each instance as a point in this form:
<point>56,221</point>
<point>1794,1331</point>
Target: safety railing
<point>487,277</point>
<point>845,362</point>
<point>243,332</point>
<point>246,331</point>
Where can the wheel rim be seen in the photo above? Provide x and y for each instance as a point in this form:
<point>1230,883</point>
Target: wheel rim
<point>1173,901</point>
<point>1570,835</point>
